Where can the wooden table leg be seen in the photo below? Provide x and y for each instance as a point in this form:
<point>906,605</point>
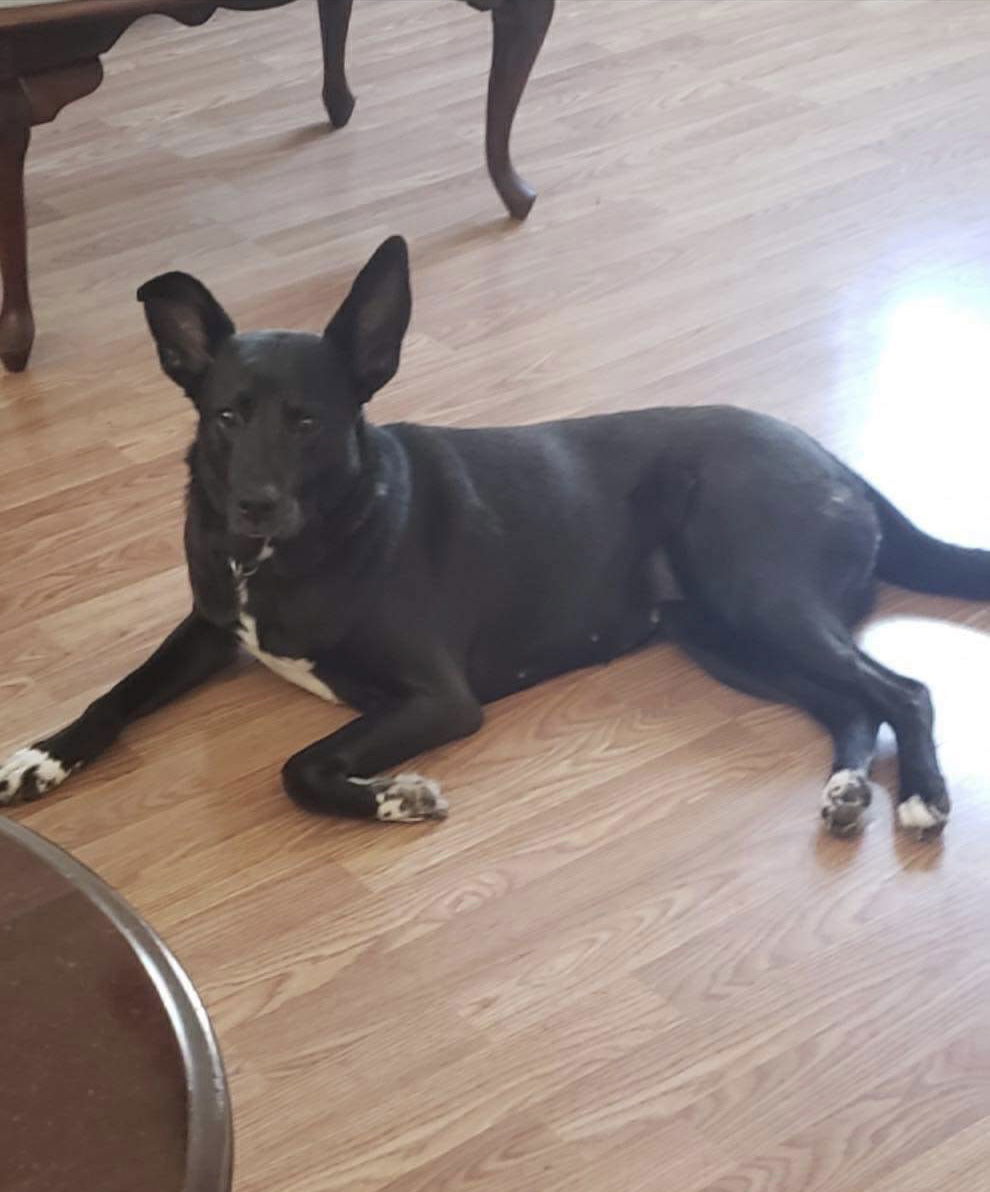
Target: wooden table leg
<point>518,28</point>
<point>34,99</point>
<point>16,318</point>
<point>335,18</point>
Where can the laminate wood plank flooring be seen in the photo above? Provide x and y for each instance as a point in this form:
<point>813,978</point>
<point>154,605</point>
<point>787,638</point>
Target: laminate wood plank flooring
<point>629,962</point>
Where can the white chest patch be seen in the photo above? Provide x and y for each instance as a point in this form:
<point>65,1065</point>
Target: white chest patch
<point>296,670</point>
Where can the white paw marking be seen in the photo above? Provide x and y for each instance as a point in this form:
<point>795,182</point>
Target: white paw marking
<point>299,671</point>
<point>409,799</point>
<point>845,799</point>
<point>33,765</point>
<point>916,814</point>
<point>842,784</point>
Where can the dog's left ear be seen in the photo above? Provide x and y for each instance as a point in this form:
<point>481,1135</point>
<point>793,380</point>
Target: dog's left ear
<point>369,327</point>
<point>188,326</point>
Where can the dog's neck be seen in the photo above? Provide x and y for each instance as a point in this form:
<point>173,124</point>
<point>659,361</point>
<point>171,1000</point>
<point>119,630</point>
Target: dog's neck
<point>342,518</point>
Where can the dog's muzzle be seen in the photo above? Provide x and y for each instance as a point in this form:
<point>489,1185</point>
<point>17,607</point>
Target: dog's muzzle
<point>264,513</point>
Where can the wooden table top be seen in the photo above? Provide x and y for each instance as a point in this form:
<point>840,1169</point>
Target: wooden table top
<point>111,1075</point>
<point>38,12</point>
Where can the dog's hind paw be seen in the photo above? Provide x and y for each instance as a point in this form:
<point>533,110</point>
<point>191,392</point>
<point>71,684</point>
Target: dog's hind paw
<point>915,814</point>
<point>409,799</point>
<point>846,796</point>
<point>28,774</point>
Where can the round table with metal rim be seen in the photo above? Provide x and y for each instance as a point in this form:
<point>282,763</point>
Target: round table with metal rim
<point>111,1074</point>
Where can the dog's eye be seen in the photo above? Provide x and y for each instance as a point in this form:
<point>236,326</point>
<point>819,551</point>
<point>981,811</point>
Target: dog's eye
<point>226,417</point>
<point>305,424</point>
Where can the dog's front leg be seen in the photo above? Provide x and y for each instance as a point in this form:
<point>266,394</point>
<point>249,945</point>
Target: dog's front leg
<point>341,775</point>
<point>189,655</point>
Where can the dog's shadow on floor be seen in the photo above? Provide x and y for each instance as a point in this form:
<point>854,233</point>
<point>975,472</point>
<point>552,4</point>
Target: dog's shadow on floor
<point>834,853</point>
<point>919,856</point>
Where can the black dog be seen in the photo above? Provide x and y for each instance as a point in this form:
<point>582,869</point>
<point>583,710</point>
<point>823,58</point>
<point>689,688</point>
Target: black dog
<point>421,572</point>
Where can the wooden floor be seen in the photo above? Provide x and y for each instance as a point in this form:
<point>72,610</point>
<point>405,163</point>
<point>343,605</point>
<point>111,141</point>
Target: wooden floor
<point>629,961</point>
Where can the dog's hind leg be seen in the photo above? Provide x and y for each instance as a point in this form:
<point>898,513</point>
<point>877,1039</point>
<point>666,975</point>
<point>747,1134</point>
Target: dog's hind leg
<point>821,646</point>
<point>787,567</point>
<point>849,720</point>
<point>188,656</point>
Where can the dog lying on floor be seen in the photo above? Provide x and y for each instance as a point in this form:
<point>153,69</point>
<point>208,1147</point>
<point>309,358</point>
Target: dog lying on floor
<point>420,572</point>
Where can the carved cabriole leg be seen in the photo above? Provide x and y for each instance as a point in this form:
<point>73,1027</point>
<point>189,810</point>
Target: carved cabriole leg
<point>35,99</point>
<point>519,28</point>
<point>16,319</point>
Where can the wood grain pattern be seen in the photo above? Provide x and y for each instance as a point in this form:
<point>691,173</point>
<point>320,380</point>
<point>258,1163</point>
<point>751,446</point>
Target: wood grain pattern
<point>628,961</point>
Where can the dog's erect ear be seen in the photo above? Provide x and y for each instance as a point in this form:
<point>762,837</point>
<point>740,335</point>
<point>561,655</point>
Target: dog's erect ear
<point>370,325</point>
<point>188,325</point>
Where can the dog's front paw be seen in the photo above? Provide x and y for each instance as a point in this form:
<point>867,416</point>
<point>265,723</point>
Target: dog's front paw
<point>846,796</point>
<point>30,773</point>
<point>916,814</point>
<point>409,799</point>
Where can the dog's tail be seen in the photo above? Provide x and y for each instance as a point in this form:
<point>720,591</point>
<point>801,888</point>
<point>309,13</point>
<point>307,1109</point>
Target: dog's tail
<point>913,559</point>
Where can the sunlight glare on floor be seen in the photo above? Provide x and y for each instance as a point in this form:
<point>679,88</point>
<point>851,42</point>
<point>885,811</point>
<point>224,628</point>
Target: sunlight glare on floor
<point>926,411</point>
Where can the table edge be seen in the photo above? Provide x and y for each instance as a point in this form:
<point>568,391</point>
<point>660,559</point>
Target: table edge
<point>209,1146</point>
<point>37,16</point>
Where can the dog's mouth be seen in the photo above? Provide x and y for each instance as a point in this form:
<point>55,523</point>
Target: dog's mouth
<point>283,521</point>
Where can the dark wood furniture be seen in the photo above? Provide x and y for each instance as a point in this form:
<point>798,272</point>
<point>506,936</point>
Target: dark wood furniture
<point>111,1077</point>
<point>50,56</point>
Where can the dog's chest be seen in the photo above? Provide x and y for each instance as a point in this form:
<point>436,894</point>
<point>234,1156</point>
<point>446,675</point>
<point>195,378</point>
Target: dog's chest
<point>301,671</point>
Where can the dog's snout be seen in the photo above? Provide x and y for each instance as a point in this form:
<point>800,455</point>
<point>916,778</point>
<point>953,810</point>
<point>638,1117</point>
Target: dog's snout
<point>256,506</point>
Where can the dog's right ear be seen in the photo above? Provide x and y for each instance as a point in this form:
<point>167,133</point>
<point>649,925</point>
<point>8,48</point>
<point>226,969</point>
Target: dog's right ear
<point>188,325</point>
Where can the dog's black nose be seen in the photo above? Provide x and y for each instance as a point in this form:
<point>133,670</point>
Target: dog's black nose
<point>258,505</point>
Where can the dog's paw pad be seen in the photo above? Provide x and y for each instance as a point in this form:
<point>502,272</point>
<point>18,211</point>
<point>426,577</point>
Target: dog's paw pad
<point>846,796</point>
<point>916,815</point>
<point>28,774</point>
<point>409,799</point>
